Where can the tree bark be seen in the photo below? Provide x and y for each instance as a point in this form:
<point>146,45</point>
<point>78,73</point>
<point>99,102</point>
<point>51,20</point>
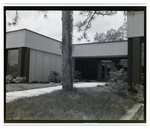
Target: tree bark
<point>67,29</point>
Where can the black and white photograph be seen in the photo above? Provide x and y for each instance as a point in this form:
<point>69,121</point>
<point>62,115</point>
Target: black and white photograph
<point>75,64</point>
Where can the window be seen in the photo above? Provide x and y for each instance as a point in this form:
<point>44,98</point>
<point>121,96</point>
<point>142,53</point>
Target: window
<point>12,62</point>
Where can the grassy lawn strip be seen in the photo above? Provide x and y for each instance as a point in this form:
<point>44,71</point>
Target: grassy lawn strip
<point>95,103</point>
<point>26,86</point>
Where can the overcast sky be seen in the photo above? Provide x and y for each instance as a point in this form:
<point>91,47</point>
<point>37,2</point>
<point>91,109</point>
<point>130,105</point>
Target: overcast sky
<point>52,26</point>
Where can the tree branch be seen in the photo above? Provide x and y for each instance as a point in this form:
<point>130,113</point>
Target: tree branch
<point>15,20</point>
<point>86,24</point>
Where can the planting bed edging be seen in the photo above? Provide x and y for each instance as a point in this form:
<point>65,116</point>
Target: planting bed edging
<point>134,113</point>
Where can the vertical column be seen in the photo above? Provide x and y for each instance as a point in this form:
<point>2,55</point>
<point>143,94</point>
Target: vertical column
<point>23,63</point>
<point>130,61</point>
<point>26,63</point>
<point>136,60</point>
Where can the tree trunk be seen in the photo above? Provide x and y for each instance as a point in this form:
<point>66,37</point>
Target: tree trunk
<point>67,29</point>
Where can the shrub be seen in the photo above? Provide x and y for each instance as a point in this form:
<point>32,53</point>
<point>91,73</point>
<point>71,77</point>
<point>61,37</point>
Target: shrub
<point>122,64</point>
<point>8,79</point>
<point>118,75</point>
<point>77,75</point>
<point>138,92</point>
<point>54,77</point>
<point>15,79</point>
<point>120,88</point>
<point>123,89</point>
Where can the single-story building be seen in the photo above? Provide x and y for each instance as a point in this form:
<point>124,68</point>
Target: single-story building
<point>34,56</point>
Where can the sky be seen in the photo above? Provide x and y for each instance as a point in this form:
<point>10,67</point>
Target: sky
<point>52,26</point>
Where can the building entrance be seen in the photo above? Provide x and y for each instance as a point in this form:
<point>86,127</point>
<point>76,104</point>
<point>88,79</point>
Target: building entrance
<point>104,69</point>
<point>96,68</point>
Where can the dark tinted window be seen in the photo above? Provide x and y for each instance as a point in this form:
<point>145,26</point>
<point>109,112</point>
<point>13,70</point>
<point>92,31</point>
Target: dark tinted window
<point>12,62</point>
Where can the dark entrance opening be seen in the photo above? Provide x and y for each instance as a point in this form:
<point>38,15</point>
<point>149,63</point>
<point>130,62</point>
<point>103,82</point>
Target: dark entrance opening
<point>88,68</point>
<point>105,67</point>
<point>96,68</point>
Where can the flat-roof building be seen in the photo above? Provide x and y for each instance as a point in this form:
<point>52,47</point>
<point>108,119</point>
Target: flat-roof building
<point>34,56</point>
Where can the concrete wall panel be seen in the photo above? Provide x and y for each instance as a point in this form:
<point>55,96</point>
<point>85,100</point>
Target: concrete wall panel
<point>42,43</point>
<point>39,66</point>
<point>100,49</point>
<point>15,39</point>
<point>59,64</point>
<point>46,66</point>
<point>32,66</point>
<point>135,24</point>
<point>53,63</point>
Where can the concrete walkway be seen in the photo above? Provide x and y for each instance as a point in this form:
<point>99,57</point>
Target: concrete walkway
<point>135,113</point>
<point>10,96</point>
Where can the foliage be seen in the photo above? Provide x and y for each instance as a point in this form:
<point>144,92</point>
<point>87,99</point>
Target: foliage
<point>54,77</point>
<point>100,37</point>
<point>138,91</point>
<point>118,83</point>
<point>112,35</point>
<point>118,75</point>
<point>122,64</point>
<point>15,79</point>
<point>77,75</point>
<point>86,24</point>
<point>15,20</point>
<point>123,89</point>
<point>120,88</point>
<point>91,15</point>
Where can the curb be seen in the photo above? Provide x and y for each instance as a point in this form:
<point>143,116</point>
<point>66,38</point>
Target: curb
<point>134,113</point>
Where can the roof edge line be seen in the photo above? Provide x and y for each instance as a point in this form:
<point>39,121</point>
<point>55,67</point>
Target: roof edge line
<point>33,32</point>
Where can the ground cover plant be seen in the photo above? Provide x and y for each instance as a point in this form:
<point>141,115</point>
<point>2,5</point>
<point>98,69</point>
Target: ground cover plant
<point>94,103</point>
<point>26,86</point>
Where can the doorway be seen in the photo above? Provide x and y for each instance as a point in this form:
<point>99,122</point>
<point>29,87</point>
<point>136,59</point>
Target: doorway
<point>104,69</point>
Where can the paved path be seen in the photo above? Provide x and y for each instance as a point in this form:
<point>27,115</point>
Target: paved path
<point>10,96</point>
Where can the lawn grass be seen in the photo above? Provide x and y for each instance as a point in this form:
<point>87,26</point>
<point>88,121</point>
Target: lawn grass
<point>26,86</point>
<point>94,103</point>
